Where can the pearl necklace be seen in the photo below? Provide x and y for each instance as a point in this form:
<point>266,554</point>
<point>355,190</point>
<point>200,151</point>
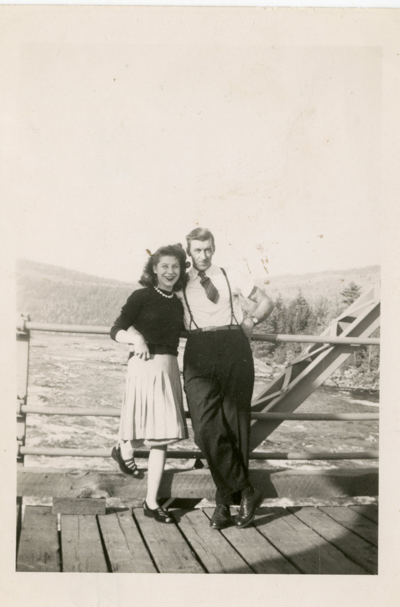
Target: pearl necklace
<point>163,294</point>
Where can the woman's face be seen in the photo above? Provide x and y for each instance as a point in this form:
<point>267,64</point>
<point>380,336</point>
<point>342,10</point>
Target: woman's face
<point>167,271</point>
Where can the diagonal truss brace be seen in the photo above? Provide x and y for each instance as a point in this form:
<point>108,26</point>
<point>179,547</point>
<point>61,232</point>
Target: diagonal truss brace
<point>304,374</point>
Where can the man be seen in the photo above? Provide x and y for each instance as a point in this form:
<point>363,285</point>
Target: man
<point>219,374</point>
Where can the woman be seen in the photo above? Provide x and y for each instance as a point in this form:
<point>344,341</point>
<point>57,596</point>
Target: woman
<point>152,410</point>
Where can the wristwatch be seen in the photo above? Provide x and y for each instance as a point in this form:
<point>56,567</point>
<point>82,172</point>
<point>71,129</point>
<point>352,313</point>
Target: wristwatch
<point>255,320</point>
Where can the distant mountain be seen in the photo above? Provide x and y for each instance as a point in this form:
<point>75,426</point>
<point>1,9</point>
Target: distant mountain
<point>54,294</point>
<point>27,267</point>
<point>327,284</point>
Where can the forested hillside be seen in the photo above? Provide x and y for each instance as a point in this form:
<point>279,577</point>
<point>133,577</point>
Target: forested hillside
<point>327,284</point>
<point>53,294</point>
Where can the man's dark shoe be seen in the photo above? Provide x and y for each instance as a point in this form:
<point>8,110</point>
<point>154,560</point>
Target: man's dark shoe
<point>248,506</point>
<point>221,517</point>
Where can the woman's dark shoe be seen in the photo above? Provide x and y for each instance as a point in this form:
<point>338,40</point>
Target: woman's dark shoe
<point>221,517</point>
<point>157,513</point>
<point>126,466</point>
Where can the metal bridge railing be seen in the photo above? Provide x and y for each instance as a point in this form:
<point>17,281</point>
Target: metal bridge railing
<point>109,412</point>
<point>23,340</point>
<point>306,339</point>
<point>196,454</point>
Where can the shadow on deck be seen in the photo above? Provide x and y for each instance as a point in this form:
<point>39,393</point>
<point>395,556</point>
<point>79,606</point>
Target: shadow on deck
<point>299,540</point>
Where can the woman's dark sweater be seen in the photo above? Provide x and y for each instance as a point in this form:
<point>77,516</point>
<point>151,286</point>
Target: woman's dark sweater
<point>159,319</point>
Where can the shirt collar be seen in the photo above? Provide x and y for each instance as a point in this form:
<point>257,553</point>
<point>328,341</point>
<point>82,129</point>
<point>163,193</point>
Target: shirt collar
<point>193,273</point>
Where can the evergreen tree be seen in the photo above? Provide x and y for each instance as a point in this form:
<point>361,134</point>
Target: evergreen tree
<point>299,321</point>
<point>322,315</point>
<point>300,316</point>
<point>275,324</point>
<point>350,293</point>
<point>277,321</point>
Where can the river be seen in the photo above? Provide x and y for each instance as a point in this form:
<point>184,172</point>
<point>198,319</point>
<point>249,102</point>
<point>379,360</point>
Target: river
<point>78,371</point>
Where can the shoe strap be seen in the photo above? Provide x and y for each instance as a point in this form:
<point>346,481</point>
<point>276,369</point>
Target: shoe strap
<point>130,463</point>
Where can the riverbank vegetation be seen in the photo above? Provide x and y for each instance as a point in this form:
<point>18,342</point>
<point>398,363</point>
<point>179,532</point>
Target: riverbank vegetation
<point>299,316</point>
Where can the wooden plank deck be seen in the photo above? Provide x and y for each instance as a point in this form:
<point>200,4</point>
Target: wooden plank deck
<point>304,540</point>
<point>125,548</point>
<point>81,544</point>
<point>353,546</point>
<point>39,548</point>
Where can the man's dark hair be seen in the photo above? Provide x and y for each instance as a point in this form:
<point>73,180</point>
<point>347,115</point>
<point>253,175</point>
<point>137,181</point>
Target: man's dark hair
<point>199,234</point>
<point>149,277</point>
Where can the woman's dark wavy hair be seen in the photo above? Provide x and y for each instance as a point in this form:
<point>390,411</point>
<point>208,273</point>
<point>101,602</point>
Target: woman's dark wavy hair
<point>149,277</point>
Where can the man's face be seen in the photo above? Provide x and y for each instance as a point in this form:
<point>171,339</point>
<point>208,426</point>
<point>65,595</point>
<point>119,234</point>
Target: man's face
<point>201,252</point>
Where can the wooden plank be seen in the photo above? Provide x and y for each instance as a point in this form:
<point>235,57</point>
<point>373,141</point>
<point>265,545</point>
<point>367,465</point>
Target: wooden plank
<point>370,511</point>
<point>73,505</point>
<point>194,483</point>
<point>215,553</point>
<point>135,542</point>
<point>168,548</point>
<point>257,551</point>
<point>355,522</point>
<point>305,549</point>
<point>125,548</point>
<point>357,549</point>
<point>38,545</point>
<point>81,545</point>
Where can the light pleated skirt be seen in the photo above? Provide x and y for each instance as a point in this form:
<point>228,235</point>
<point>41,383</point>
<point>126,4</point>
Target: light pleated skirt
<point>152,408</point>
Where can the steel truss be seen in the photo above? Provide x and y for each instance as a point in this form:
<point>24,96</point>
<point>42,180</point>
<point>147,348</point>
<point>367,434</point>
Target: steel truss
<point>305,373</point>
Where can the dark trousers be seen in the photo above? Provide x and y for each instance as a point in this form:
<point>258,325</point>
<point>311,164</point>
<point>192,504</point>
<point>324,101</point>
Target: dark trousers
<point>218,381</point>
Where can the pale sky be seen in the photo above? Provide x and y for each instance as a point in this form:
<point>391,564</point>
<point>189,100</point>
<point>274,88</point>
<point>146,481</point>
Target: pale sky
<point>121,148</point>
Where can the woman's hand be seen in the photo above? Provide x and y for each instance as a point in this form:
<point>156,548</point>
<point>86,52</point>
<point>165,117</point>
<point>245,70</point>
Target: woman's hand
<point>141,349</point>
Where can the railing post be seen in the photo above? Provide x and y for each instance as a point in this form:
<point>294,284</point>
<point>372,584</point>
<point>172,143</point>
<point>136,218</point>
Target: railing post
<point>23,339</point>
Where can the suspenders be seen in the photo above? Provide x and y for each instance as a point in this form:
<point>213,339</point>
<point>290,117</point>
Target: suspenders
<point>192,320</point>
<point>230,297</point>
<point>233,317</point>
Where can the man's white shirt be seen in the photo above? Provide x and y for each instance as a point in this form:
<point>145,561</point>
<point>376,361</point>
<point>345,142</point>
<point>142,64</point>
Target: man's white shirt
<point>205,312</point>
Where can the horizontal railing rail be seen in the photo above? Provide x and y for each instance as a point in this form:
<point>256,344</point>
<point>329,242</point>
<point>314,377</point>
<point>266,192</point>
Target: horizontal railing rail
<point>195,454</point>
<point>109,412</point>
<point>268,337</point>
<point>317,339</point>
<point>316,417</point>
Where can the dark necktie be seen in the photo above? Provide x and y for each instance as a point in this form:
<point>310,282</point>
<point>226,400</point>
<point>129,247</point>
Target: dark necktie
<point>211,291</point>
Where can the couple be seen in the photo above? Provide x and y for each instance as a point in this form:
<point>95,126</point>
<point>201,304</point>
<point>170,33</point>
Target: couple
<point>218,372</point>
